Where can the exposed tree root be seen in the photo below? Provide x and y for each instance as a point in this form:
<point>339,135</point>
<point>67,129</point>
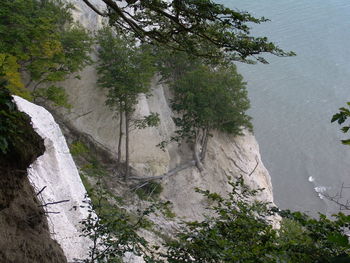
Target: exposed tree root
<point>170,173</point>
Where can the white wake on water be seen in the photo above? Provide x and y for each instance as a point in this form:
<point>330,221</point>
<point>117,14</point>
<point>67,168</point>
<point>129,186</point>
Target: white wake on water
<point>318,189</point>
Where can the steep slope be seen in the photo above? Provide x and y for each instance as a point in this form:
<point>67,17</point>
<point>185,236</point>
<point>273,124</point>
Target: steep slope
<point>24,232</point>
<point>55,175</point>
<point>227,155</point>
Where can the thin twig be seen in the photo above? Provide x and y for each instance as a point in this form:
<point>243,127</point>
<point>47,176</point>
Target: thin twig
<point>41,190</point>
<point>234,162</point>
<point>257,163</point>
<point>54,203</point>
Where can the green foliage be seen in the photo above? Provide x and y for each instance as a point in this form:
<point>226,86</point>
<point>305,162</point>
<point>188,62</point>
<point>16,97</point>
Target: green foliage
<point>19,143</point>
<point>125,69</point>
<point>9,69</point>
<point>239,230</point>
<point>151,120</point>
<point>55,94</point>
<point>167,211</point>
<point>188,25</point>
<point>42,39</point>
<point>341,117</point>
<point>210,99</point>
<point>94,169</point>
<point>111,231</point>
<point>78,148</point>
<point>9,117</point>
<point>151,190</point>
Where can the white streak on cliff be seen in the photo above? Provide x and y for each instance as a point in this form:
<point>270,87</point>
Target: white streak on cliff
<point>56,171</point>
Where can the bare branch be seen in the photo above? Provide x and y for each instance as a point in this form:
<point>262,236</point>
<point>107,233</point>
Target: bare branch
<point>94,8</point>
<point>337,198</point>
<point>41,190</point>
<point>257,163</point>
<point>54,203</point>
<point>170,173</point>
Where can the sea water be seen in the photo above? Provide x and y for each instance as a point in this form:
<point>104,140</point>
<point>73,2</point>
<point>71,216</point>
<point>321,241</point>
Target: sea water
<point>293,99</point>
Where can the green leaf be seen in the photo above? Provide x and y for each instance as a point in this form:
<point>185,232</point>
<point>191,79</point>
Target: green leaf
<point>335,117</point>
<point>338,239</point>
<point>346,142</point>
<point>345,129</point>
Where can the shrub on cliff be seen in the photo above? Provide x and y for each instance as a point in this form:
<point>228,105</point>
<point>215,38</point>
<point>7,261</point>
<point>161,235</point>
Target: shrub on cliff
<point>18,141</point>
<point>206,97</point>
<point>240,230</point>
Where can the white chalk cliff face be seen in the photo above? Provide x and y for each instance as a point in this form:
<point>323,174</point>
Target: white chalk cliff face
<point>56,171</point>
<point>227,155</point>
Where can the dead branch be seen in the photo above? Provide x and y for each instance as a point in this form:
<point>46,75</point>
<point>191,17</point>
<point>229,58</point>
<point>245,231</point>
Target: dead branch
<point>234,162</point>
<point>54,203</point>
<point>82,115</point>
<point>257,163</point>
<point>94,8</point>
<point>170,173</point>
<point>139,186</point>
<point>51,212</point>
<point>245,172</point>
<point>337,198</point>
<point>41,190</point>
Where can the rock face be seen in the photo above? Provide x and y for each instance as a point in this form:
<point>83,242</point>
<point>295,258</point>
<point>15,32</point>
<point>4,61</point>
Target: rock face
<point>227,155</point>
<point>24,232</point>
<point>56,175</point>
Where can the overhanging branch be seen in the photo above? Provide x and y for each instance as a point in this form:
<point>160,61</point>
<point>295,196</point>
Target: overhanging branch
<point>94,8</point>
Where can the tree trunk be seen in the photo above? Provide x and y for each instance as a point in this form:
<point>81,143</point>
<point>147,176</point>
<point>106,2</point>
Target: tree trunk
<point>120,136</point>
<point>196,153</point>
<point>127,124</point>
<point>204,145</point>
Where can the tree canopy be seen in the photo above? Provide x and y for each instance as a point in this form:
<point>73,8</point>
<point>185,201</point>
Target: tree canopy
<point>211,99</point>
<point>187,25</point>
<point>205,97</point>
<point>40,39</point>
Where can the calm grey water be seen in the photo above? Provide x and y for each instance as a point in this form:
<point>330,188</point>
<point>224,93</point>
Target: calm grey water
<point>293,99</point>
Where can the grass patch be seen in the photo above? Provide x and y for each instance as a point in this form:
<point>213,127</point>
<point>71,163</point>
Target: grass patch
<point>78,148</point>
<point>167,212</point>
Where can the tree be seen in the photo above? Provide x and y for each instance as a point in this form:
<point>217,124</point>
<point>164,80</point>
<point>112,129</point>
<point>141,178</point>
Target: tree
<point>41,41</point>
<point>125,69</point>
<point>207,99</point>
<point>187,25</point>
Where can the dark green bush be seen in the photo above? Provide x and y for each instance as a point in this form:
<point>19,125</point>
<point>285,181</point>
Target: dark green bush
<point>19,143</point>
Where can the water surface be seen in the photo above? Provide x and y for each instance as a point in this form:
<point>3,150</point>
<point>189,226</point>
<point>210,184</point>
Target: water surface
<point>293,99</point>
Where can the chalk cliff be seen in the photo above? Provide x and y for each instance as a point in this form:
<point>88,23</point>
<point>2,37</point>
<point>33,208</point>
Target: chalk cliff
<point>227,156</point>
